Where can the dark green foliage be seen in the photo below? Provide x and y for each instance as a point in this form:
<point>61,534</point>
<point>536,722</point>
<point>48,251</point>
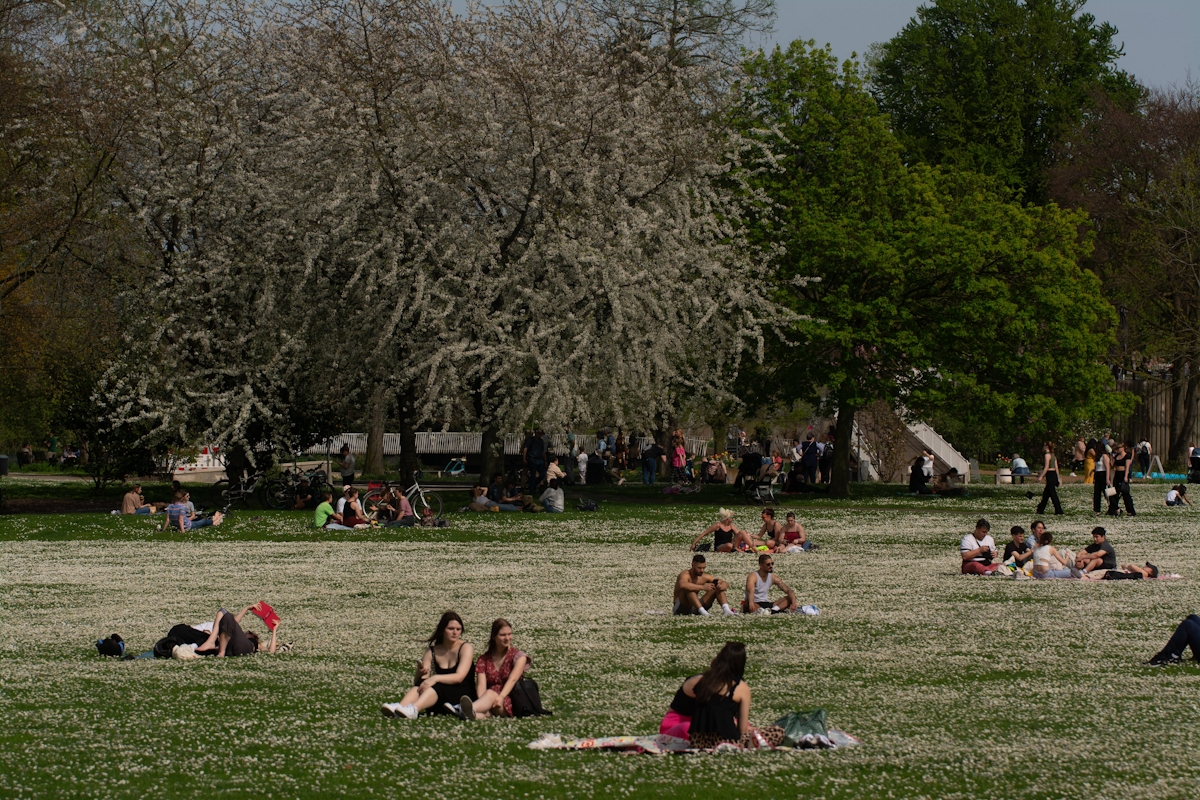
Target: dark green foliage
<point>992,85</point>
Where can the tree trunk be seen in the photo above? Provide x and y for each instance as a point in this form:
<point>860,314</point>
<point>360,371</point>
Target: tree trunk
<point>491,452</point>
<point>410,462</point>
<point>1183,404</point>
<point>376,413</point>
<point>839,484</point>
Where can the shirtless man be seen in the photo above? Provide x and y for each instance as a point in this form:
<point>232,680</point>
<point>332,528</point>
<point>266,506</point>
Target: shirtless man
<point>696,590</point>
<point>727,537</point>
<point>758,587</point>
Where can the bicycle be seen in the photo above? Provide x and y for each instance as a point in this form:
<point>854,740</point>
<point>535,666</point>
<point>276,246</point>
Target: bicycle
<point>418,497</point>
<point>280,492</point>
<point>225,492</point>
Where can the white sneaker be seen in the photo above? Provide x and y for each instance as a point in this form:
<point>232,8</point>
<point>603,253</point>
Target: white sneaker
<point>467,707</point>
<point>763,612</point>
<point>453,709</point>
<point>391,709</point>
<point>409,711</point>
<point>729,612</point>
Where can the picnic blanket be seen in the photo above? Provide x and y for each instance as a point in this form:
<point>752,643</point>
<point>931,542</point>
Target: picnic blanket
<point>660,744</point>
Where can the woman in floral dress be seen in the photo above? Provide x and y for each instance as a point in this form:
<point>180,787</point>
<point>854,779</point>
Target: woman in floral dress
<point>496,674</point>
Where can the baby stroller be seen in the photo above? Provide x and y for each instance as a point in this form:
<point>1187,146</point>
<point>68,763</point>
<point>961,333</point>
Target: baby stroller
<point>761,488</point>
<point>1193,475</point>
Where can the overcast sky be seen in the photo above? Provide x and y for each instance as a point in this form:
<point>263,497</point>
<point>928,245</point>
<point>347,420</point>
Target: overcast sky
<point>1161,37</point>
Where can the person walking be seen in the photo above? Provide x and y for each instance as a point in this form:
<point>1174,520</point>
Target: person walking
<point>1100,477</point>
<point>1144,451</point>
<point>1120,481</point>
<point>1049,477</point>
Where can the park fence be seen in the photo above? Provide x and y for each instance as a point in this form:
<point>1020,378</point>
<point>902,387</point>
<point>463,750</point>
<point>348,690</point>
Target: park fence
<point>452,443</point>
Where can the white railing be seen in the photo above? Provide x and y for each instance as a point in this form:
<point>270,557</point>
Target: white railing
<point>941,449</point>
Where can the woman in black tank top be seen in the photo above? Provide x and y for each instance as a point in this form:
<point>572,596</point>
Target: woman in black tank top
<point>722,705</point>
<point>443,673</point>
<point>1049,476</point>
<point>678,719</point>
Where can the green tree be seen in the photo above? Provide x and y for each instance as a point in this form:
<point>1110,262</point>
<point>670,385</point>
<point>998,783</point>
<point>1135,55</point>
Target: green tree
<point>921,287</point>
<point>992,85</point>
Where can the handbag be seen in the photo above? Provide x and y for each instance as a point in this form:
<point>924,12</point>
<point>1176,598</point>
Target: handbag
<point>527,700</point>
<point>1110,491</point>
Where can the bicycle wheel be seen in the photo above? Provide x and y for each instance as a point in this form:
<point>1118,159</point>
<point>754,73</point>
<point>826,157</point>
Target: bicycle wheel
<point>275,494</point>
<point>369,499</point>
<point>424,500</point>
<point>220,495</point>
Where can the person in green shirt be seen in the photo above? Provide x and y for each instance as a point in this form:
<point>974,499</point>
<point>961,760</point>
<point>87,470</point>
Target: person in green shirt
<point>325,517</point>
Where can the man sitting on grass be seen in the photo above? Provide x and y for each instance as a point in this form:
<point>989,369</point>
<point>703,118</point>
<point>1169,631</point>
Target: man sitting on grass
<point>696,590</point>
<point>758,588</point>
<point>1097,555</point>
<point>1019,549</point>
<point>325,517</point>
<point>978,551</point>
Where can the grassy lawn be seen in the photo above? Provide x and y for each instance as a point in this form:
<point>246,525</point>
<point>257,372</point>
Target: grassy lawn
<point>959,687</point>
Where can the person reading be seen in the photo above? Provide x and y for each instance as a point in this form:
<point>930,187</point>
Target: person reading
<point>441,679</point>
<point>496,674</point>
<point>696,590</point>
<point>1097,555</point>
<point>727,537</point>
<point>758,590</point>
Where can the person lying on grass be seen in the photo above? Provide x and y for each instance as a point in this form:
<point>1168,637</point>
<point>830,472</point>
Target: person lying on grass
<point>1132,572</point>
<point>722,704</point>
<point>696,590</point>
<point>441,677</point>
<point>230,640</point>
<point>793,539</point>
<point>758,588</point>
<point>178,516</point>
<point>727,537</point>
<point>496,674</point>
<point>1186,635</point>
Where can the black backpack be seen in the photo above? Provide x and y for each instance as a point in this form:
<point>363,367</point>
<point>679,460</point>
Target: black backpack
<point>588,505</point>
<point>527,700</point>
<point>114,646</point>
<point>164,646</point>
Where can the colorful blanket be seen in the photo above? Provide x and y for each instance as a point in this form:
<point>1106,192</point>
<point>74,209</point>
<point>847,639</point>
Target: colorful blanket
<point>660,744</point>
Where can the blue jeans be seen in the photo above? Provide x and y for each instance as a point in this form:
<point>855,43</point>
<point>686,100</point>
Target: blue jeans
<point>333,526</point>
<point>649,471</point>
<point>203,522</point>
<point>507,507</point>
<point>1053,573</point>
<point>142,510</point>
<point>537,472</point>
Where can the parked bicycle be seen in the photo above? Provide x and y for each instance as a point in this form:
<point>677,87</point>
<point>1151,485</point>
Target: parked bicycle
<point>418,497</point>
<point>226,493</point>
<point>280,493</point>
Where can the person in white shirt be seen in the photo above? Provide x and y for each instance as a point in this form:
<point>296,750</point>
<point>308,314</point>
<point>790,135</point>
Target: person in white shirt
<point>758,588</point>
<point>978,551</point>
<point>553,499</point>
<point>554,470</point>
<point>1178,496</point>
<point>581,461</point>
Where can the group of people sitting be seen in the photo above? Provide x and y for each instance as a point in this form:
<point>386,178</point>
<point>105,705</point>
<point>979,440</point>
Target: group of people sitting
<point>442,683</point>
<point>181,513</point>
<point>502,496</point>
<point>772,537</point>
<point>696,591</point>
<point>390,509</point>
<point>1034,555</point>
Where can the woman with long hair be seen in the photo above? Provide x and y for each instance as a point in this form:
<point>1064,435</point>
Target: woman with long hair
<point>496,675</point>
<point>1049,476</point>
<point>722,707</point>
<point>441,676</point>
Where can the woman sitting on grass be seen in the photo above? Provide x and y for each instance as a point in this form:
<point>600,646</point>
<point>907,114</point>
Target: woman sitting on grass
<point>181,517</point>
<point>677,721</point>
<point>722,708</point>
<point>496,674</point>
<point>1049,562</point>
<point>793,539</point>
<point>1178,496</point>
<point>441,676</point>
<point>727,537</point>
<point>352,512</point>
